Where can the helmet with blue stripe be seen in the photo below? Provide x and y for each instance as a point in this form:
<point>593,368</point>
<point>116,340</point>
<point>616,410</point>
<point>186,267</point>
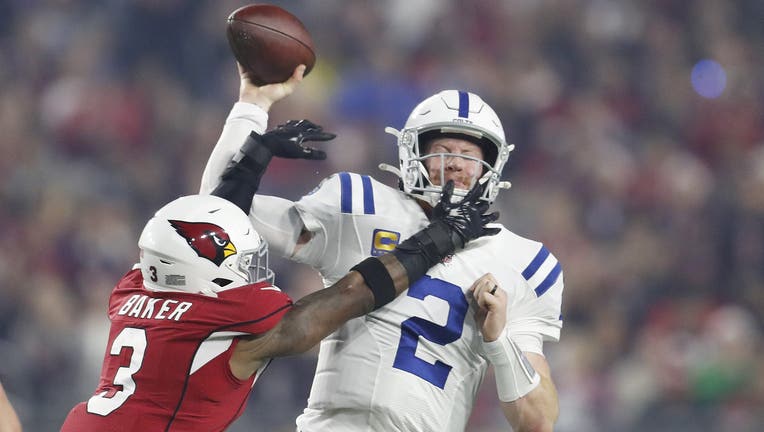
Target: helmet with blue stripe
<point>454,114</point>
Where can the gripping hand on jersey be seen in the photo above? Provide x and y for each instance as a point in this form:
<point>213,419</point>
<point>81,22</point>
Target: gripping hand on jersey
<point>466,218</point>
<point>241,178</point>
<point>451,227</point>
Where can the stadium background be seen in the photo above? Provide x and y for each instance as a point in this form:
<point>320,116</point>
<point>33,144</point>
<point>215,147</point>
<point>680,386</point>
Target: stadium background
<point>639,128</point>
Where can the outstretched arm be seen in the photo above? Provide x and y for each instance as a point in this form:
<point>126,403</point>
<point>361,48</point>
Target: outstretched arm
<point>248,114</point>
<point>318,314</point>
<point>241,178</point>
<point>276,218</point>
<point>371,284</point>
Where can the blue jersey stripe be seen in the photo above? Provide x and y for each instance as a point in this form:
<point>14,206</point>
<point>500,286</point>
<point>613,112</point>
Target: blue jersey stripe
<point>533,267</point>
<point>549,280</point>
<point>346,193</point>
<point>368,195</point>
<point>464,104</point>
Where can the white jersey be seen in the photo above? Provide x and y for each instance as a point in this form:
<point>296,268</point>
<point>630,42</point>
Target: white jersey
<point>417,363</point>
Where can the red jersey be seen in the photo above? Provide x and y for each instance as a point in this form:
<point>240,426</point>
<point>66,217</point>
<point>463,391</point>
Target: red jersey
<point>166,364</point>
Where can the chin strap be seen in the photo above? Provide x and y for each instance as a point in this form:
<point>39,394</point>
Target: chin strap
<point>391,169</point>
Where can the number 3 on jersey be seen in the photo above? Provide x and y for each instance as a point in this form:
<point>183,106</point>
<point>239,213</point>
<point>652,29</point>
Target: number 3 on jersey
<point>414,327</point>
<point>129,337</point>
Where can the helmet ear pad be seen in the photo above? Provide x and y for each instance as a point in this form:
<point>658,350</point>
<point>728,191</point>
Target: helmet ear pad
<point>490,150</point>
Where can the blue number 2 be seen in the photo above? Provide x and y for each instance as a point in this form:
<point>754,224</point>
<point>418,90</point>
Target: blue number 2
<point>412,328</point>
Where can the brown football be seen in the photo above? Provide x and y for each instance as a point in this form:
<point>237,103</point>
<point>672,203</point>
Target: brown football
<point>269,42</point>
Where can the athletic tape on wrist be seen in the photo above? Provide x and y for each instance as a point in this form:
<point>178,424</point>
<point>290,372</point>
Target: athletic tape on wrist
<point>378,280</point>
<point>515,377</point>
<point>255,149</point>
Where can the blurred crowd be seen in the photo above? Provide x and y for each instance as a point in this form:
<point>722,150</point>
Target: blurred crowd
<point>641,170</point>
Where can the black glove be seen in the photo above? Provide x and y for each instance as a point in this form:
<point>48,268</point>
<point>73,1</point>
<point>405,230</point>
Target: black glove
<point>452,226</point>
<point>287,140</point>
<point>465,218</point>
<point>241,178</point>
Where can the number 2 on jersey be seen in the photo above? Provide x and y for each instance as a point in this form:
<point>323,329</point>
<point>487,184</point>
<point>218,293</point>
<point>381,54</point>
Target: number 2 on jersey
<point>414,327</point>
<point>129,337</point>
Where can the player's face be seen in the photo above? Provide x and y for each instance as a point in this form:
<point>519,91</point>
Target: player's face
<point>461,170</point>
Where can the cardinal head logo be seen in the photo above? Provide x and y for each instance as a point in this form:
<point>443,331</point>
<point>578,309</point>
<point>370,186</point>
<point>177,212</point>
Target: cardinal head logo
<point>206,239</point>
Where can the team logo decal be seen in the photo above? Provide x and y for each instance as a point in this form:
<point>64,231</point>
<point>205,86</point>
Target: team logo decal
<point>207,240</point>
<point>383,241</point>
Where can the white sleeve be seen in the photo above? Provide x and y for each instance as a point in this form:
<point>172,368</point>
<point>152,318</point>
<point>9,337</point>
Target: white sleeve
<point>320,213</point>
<point>522,325</point>
<point>538,315</point>
<point>281,222</point>
<point>536,308</point>
<point>278,221</point>
<point>243,118</point>
<point>529,342</point>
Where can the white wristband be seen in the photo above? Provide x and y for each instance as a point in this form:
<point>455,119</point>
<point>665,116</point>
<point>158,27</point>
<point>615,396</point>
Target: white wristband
<point>252,113</point>
<point>515,377</point>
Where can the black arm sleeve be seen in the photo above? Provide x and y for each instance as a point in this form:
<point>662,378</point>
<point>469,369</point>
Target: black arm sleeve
<point>427,248</point>
<point>241,179</point>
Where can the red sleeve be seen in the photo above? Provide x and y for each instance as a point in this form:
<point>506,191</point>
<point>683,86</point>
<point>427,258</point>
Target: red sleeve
<point>262,307</point>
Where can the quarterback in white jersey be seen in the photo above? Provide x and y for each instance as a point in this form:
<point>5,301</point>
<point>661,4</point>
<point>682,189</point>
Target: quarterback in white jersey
<point>417,363</point>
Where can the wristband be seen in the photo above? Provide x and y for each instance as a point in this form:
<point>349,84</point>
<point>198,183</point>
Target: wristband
<point>257,152</point>
<point>515,377</point>
<point>377,279</point>
<point>241,180</point>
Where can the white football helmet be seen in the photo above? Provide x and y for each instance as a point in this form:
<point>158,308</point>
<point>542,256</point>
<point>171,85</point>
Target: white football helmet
<point>450,112</point>
<point>202,244</point>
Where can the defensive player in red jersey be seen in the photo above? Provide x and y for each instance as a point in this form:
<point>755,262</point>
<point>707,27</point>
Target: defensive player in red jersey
<point>195,323</point>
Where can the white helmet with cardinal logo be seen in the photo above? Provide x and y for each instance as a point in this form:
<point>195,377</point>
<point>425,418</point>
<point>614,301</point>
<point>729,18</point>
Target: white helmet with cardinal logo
<point>202,244</point>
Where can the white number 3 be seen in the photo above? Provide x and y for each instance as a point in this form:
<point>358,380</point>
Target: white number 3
<point>130,337</point>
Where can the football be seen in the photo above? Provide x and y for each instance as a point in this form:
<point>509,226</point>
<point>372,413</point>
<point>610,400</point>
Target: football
<point>269,42</point>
